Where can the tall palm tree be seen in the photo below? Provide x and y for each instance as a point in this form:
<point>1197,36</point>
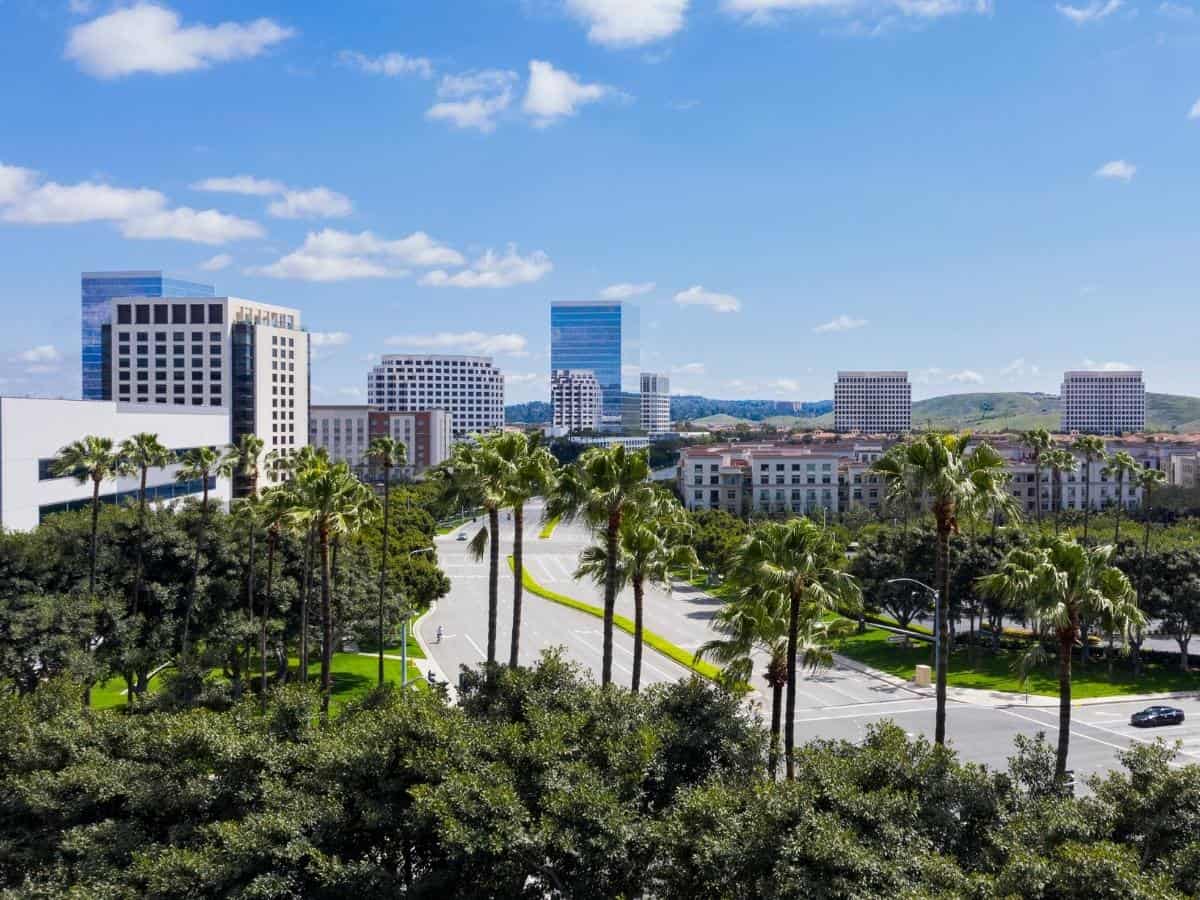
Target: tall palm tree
<point>651,546</point>
<point>1122,466</point>
<point>335,503</point>
<point>303,464</point>
<point>1091,448</point>
<point>758,621</point>
<point>936,468</point>
<point>1060,462</point>
<point>1038,442</point>
<point>197,464</point>
<point>800,560</point>
<point>91,459</point>
<point>387,453</point>
<point>524,469</point>
<point>141,453</point>
<point>244,460</point>
<point>276,504</point>
<point>1060,582</point>
<point>602,485</point>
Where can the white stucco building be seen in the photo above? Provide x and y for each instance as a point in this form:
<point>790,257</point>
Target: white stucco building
<point>469,388</point>
<point>656,403</point>
<point>1103,402</point>
<point>576,399</point>
<point>33,431</point>
<point>872,402</point>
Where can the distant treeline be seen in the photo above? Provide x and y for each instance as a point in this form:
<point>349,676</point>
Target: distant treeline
<point>688,408</point>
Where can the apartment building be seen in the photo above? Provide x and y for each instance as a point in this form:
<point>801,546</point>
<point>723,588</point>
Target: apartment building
<point>872,402</point>
<point>1103,402</point>
<point>576,399</point>
<point>346,432</point>
<point>760,479</point>
<point>215,353</point>
<point>33,431</point>
<point>656,403</point>
<point>469,388</point>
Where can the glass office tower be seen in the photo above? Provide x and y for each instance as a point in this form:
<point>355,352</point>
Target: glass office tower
<point>605,338</point>
<point>98,289</point>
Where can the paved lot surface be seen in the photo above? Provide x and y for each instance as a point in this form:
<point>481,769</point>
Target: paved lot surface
<point>838,703</point>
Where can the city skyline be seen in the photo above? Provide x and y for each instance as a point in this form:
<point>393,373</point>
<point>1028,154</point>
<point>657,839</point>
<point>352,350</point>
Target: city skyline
<point>783,194</point>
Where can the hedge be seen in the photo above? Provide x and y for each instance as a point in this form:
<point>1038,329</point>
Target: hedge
<point>548,528</point>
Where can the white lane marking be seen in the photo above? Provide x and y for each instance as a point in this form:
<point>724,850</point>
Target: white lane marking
<point>645,664</point>
<point>600,653</point>
<point>566,570</point>
<point>863,715</point>
<point>478,649</point>
<point>1086,737</point>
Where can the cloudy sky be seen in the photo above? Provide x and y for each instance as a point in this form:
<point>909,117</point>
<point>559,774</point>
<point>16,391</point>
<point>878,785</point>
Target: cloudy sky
<point>983,193</point>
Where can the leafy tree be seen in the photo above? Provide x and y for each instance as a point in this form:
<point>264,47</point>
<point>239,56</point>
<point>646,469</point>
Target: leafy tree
<point>1123,467</point>
<point>199,463</point>
<point>90,459</point>
<point>716,536</point>
<point>1039,443</point>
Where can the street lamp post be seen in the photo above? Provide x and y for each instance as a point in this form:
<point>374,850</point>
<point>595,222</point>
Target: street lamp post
<point>404,630</point>
<point>937,619</point>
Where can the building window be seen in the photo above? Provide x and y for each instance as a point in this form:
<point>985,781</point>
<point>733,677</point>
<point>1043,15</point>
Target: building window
<point>123,316</point>
<point>215,316</point>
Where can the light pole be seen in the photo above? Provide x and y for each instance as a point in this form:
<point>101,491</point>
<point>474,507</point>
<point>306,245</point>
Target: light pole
<point>937,623</point>
<point>404,630</point>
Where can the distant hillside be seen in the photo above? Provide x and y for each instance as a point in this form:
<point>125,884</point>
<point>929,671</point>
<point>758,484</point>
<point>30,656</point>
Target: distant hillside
<point>690,408</point>
<point>536,412</point>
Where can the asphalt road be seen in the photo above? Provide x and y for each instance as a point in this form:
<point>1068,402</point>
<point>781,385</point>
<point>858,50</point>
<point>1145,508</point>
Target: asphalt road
<point>837,703</point>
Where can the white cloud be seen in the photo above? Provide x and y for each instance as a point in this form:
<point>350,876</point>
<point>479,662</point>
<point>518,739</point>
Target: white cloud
<point>390,65</point>
<point>15,182</point>
<point>841,323</point>
<point>333,255</point>
<point>43,354</point>
<point>473,99</point>
<point>1194,112</point>
<point>1019,368</point>
<point>217,263</point>
<point>148,37</point>
<point>1111,366</point>
<point>698,296</point>
<point>1093,12</point>
<point>80,7</point>
<point>246,185</point>
<point>692,368</point>
<point>349,392</point>
<point>317,203</point>
<point>512,378</point>
<point>629,23</point>
<point>1117,168</point>
<point>553,94</point>
<point>784,385</point>
<point>470,341</point>
<point>625,290</point>
<point>185,224</point>
<point>966,376</point>
<point>766,11</point>
<point>329,338</point>
<point>494,271</point>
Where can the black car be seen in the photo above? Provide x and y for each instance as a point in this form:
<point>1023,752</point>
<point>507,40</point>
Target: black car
<point>1157,715</point>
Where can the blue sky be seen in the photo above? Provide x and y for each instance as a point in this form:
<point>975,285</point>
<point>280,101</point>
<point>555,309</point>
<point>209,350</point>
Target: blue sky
<point>984,194</point>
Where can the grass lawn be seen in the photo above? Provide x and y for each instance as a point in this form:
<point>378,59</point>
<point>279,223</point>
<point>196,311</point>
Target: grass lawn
<point>111,693</point>
<point>979,668</point>
<point>391,646</point>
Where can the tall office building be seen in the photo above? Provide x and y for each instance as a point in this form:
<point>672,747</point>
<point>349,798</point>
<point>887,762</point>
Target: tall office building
<point>656,403</point>
<point>470,388</point>
<point>1103,402</point>
<point>98,290</point>
<point>603,337</point>
<point>247,359</point>
<point>872,402</point>
<point>346,432</point>
<point>576,399</point>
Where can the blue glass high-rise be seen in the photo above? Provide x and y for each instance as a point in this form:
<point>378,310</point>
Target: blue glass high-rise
<point>97,290</point>
<point>604,337</point>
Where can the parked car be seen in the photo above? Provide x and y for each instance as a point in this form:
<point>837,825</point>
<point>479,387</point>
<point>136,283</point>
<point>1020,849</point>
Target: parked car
<point>1153,716</point>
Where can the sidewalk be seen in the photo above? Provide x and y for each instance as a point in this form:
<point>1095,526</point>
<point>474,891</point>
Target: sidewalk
<point>426,665</point>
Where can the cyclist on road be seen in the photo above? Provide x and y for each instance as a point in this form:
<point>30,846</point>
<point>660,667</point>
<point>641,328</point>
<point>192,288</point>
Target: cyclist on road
<point>439,634</point>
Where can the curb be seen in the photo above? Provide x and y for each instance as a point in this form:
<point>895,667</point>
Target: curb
<point>451,688</point>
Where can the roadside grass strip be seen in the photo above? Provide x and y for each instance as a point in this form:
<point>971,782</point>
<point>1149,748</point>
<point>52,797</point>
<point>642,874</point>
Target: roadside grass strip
<point>658,642</point>
<point>548,529</point>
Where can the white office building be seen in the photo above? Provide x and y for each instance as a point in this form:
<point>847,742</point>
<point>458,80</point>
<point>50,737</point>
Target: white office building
<point>33,431</point>
<point>469,388</point>
<point>872,402</point>
<point>656,403</point>
<point>246,358</point>
<point>576,399</point>
<point>346,432</point>
<point>1103,402</point>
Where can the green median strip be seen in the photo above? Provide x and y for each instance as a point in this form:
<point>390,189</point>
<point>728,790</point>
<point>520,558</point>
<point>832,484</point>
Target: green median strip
<point>548,529</point>
<point>658,642</point>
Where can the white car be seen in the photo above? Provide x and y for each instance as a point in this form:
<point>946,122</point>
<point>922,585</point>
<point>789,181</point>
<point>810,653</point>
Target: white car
<point>462,536</point>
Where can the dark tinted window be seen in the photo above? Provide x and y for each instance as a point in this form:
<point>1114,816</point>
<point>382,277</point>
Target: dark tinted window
<point>143,314</point>
<point>178,314</point>
<point>197,313</point>
<point>215,314</point>
<point>123,316</point>
<point>160,314</point>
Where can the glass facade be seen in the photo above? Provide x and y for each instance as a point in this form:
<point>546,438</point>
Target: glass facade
<point>154,494</point>
<point>98,289</point>
<point>604,338</point>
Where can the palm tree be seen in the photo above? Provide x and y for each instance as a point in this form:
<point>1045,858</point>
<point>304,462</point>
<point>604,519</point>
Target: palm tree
<point>603,484</point>
<point>1060,462</point>
<point>936,468</point>
<point>91,459</point>
<point>275,505</point>
<point>335,503</point>
<point>244,460</point>
<point>1121,465</point>
<point>523,469</point>
<point>387,453</point>
<point>199,463</point>
<point>1060,582</point>
<point>140,454</point>
<point>303,464</point>
<point>758,621</point>
<point>1091,448</point>
<point>799,560</point>
<point>1038,442</point>
<point>650,547</point>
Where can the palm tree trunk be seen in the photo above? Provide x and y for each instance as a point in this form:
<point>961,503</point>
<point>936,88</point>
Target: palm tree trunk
<point>1066,641</point>
<point>1037,493</point>
<point>789,741</point>
<point>493,582</point>
<point>383,561</point>
<point>610,595</point>
<point>1120,503</point>
<point>250,592</point>
<point>639,597</point>
<point>304,598</point>
<point>776,714</point>
<point>1087,496</point>
<point>191,596</point>
<point>942,580</point>
<point>95,530</point>
<point>326,626</point>
<point>262,628</point>
<point>518,571</point>
<point>141,542</point>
